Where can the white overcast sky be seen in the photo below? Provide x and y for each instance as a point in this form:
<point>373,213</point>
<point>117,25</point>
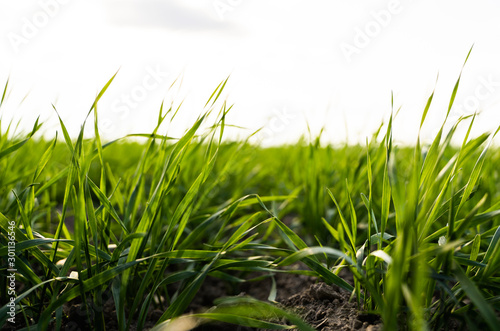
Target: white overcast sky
<point>328,63</point>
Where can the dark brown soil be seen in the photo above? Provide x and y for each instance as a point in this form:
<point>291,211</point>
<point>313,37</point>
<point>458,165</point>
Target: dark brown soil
<point>286,284</point>
<point>213,288</point>
<point>324,307</point>
<point>76,318</point>
<point>328,308</point>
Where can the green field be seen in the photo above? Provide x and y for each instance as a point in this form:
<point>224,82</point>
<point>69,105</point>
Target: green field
<point>417,227</point>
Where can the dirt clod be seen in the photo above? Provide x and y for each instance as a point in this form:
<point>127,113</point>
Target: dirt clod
<point>328,307</point>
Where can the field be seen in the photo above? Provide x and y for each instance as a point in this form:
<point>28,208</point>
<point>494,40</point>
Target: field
<point>175,233</point>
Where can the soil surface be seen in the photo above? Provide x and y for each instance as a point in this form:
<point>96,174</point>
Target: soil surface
<point>328,308</point>
<point>324,307</point>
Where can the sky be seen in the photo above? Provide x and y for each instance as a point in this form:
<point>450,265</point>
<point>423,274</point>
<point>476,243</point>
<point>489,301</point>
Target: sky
<point>293,65</point>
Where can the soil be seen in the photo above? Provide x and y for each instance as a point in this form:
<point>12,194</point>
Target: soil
<point>322,306</point>
<point>328,308</point>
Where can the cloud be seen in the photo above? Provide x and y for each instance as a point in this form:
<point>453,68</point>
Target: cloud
<point>162,14</point>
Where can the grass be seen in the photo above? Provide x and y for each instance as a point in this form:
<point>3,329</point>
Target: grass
<point>147,223</point>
